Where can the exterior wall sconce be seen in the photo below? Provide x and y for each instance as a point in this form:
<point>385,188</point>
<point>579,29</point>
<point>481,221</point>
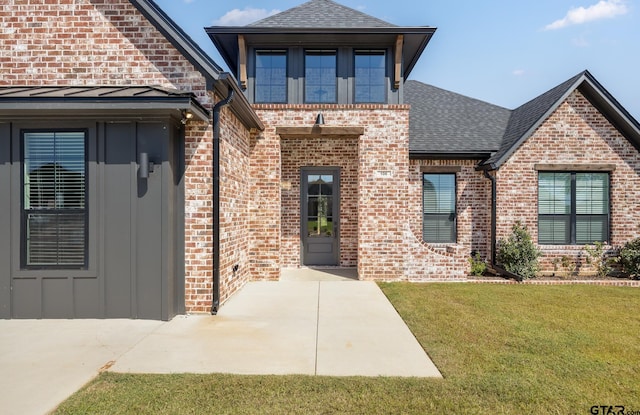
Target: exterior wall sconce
<point>186,116</point>
<point>320,119</point>
<point>146,166</point>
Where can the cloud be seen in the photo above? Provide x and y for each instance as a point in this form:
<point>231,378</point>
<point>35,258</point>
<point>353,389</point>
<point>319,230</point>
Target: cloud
<point>604,9</point>
<point>580,42</point>
<point>518,72</point>
<point>237,17</point>
<point>188,1</point>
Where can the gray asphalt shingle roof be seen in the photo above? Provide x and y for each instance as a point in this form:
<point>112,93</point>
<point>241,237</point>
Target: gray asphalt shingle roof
<point>321,14</point>
<point>442,121</point>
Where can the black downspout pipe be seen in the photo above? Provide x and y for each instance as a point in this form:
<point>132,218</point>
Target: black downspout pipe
<point>493,216</point>
<point>497,268</point>
<point>215,304</point>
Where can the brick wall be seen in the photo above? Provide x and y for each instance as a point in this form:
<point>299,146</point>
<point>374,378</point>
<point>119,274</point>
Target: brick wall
<point>576,133</point>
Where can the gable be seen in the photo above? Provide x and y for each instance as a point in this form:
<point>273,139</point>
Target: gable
<point>97,42</point>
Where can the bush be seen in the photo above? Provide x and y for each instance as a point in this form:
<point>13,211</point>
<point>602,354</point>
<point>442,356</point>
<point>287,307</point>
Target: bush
<point>518,254</point>
<point>630,258</point>
<point>478,265</point>
<point>599,258</point>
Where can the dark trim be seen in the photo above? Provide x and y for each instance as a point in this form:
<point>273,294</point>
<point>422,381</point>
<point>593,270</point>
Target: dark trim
<point>419,155</point>
<point>215,300</point>
<point>23,211</point>
<point>455,206</point>
<point>594,168</point>
<point>440,169</point>
<point>493,215</point>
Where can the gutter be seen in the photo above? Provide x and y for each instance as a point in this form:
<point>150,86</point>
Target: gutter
<point>495,267</point>
<point>215,304</point>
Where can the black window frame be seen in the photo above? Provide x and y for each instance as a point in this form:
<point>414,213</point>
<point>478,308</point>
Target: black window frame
<point>278,52</point>
<point>453,216</point>
<point>325,52</point>
<point>24,213</point>
<point>369,52</point>
<point>573,215</point>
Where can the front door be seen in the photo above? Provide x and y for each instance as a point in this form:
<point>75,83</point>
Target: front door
<point>320,227</point>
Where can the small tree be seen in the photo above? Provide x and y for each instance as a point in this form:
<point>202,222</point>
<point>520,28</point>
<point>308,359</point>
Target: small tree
<point>517,253</point>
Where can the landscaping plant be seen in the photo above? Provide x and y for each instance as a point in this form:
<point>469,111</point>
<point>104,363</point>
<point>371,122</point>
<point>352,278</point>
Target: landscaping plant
<point>630,258</point>
<point>517,253</point>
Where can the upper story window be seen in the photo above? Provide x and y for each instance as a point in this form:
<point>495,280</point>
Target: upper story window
<point>370,76</point>
<point>320,76</point>
<point>271,76</point>
<point>573,208</point>
<point>439,207</point>
<point>54,215</point>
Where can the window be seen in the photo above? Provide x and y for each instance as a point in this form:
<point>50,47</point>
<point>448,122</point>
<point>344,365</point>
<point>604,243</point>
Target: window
<point>573,208</point>
<point>271,76</point>
<point>439,207</point>
<point>320,77</point>
<point>54,225</point>
<point>370,81</point>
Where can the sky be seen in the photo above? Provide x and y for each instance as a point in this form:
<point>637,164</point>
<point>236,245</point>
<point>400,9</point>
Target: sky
<point>504,52</point>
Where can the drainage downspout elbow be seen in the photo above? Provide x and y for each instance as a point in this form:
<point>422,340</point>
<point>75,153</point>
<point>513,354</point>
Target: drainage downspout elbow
<point>215,303</point>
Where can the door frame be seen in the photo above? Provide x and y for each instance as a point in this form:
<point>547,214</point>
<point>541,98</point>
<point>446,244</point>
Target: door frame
<point>304,172</point>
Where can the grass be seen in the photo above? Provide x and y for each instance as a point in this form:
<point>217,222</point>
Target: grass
<point>501,349</point>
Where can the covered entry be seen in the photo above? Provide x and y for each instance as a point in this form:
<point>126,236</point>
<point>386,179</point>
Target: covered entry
<point>93,225</point>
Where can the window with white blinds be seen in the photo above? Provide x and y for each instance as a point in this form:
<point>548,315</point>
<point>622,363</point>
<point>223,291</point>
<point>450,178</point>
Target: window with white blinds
<point>573,208</point>
<point>439,208</point>
<point>54,194</point>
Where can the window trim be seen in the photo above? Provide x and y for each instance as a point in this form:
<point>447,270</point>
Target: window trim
<point>24,212</point>
<point>332,52</point>
<point>573,215</point>
<point>285,53</point>
<point>455,207</point>
<point>369,52</point>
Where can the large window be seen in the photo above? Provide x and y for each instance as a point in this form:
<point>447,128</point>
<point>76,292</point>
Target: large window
<point>320,77</point>
<point>573,208</point>
<point>271,76</point>
<point>439,207</point>
<point>370,76</point>
<point>54,225</point>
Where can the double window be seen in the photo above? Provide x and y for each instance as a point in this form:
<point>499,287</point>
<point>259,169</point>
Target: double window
<point>54,215</point>
<point>573,208</point>
<point>439,208</point>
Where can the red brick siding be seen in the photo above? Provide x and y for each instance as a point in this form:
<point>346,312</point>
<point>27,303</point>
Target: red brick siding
<point>334,152</point>
<point>576,133</point>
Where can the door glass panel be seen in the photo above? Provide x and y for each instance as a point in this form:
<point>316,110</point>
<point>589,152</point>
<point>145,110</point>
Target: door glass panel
<point>320,205</point>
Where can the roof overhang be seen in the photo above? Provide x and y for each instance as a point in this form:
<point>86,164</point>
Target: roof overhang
<point>225,38</point>
<point>135,100</point>
<point>467,155</point>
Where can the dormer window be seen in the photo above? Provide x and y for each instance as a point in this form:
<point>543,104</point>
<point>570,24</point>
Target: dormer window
<point>271,76</point>
<point>320,76</point>
<point>370,76</point>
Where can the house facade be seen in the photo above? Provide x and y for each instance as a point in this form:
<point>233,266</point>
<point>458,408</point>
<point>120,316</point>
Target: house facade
<point>143,181</point>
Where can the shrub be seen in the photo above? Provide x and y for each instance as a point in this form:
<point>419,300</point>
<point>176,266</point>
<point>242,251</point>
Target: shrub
<point>597,256</point>
<point>478,265</point>
<point>630,258</point>
<point>517,253</point>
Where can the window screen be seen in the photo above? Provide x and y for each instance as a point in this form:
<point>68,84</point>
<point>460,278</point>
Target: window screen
<point>439,208</point>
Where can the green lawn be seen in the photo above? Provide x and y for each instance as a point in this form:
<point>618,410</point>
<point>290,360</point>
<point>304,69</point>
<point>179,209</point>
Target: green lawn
<point>501,348</point>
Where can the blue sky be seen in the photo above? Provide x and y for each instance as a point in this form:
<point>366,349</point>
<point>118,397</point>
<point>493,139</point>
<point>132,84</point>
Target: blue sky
<point>504,52</point>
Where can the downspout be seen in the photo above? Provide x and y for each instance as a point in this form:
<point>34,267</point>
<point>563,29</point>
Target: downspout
<point>493,216</point>
<point>496,268</point>
<point>215,304</point>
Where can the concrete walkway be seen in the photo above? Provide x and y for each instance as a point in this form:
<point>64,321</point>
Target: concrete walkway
<point>334,327</point>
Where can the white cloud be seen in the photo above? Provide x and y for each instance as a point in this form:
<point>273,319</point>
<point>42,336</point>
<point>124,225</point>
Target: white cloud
<point>604,9</point>
<point>580,42</point>
<point>237,17</point>
<point>518,72</point>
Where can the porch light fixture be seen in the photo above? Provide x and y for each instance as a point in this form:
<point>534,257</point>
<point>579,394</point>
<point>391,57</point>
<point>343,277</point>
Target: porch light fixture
<point>186,116</point>
<point>320,119</point>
